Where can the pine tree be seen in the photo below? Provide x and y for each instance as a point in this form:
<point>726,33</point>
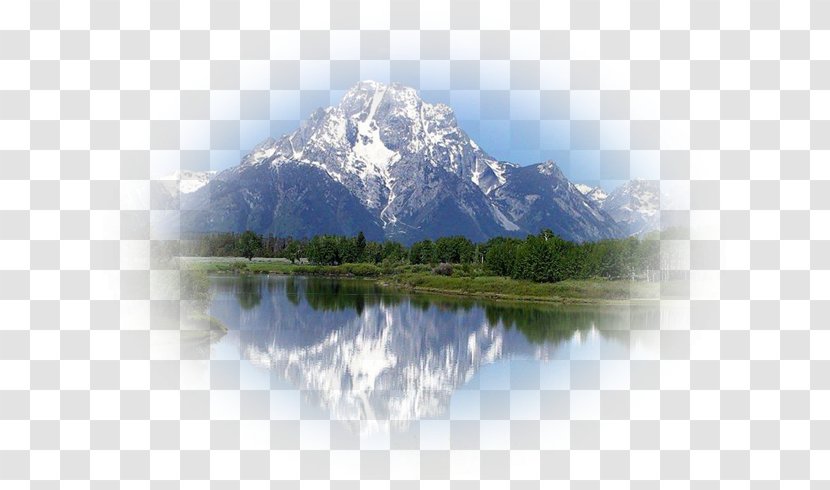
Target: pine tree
<point>361,245</point>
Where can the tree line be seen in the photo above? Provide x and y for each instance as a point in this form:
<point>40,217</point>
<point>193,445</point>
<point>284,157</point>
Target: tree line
<point>242,245</point>
<point>544,257</point>
<point>548,258</point>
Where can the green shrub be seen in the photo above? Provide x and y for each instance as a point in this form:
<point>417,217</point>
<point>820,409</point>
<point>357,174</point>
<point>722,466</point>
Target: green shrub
<point>360,270</point>
<point>443,269</point>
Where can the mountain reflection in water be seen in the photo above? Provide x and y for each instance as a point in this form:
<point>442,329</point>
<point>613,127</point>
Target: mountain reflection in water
<point>363,352</point>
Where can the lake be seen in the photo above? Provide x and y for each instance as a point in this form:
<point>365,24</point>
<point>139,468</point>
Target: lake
<point>348,349</point>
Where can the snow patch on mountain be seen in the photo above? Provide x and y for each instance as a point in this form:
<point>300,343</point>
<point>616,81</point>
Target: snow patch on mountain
<point>369,147</point>
<point>584,188</point>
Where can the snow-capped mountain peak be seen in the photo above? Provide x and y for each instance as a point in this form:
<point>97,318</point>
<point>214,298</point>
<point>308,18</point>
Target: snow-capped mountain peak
<point>374,127</point>
<point>406,168</point>
<point>635,205</point>
<point>596,194</point>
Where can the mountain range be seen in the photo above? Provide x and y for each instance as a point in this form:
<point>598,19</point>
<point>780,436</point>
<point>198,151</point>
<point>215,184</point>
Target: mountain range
<point>385,162</point>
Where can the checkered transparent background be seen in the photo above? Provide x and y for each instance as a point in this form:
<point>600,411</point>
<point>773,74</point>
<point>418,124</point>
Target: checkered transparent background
<point>728,102</point>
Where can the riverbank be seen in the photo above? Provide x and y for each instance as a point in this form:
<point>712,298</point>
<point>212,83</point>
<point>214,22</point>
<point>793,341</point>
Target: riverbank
<point>505,288</point>
<point>464,281</point>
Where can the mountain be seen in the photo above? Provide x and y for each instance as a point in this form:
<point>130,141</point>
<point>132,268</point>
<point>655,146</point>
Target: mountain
<point>386,162</point>
<point>289,199</point>
<point>191,181</point>
<point>540,196</point>
<point>595,194</point>
<point>183,182</point>
<point>634,206</point>
<point>165,192</point>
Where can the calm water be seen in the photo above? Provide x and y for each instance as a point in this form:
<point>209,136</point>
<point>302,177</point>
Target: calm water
<point>351,350</point>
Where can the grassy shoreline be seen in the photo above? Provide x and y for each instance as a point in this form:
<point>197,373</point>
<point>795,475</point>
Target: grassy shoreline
<point>461,283</point>
<point>507,289</point>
